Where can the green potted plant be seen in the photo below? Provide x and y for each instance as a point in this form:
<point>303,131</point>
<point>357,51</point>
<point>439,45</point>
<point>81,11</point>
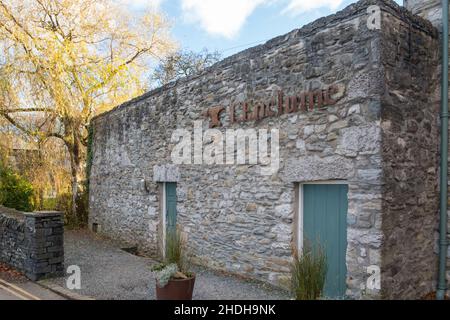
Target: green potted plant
<point>174,281</point>
<point>309,272</point>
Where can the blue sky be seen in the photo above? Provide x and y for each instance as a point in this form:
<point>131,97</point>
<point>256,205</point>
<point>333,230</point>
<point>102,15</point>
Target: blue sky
<point>230,26</point>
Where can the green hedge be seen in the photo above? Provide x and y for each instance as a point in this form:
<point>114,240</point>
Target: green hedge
<point>15,191</point>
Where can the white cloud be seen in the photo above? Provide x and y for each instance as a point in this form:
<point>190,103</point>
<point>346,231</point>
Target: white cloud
<point>301,6</point>
<point>226,17</point>
<point>220,17</point>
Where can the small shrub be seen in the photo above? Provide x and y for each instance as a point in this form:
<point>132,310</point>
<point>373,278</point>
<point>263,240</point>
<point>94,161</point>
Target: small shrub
<point>308,273</point>
<point>15,191</point>
<point>49,204</point>
<point>71,221</point>
<point>64,204</point>
<point>83,207</point>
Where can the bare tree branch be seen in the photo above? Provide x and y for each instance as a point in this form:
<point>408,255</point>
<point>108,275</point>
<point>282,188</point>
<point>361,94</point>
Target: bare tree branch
<point>20,110</point>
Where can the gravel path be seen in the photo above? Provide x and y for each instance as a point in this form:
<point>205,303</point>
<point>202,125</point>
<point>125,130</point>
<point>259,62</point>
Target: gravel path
<point>107,272</point>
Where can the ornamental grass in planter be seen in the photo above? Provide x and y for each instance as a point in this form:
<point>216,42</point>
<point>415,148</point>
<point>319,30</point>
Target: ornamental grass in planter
<point>309,272</point>
<point>174,281</point>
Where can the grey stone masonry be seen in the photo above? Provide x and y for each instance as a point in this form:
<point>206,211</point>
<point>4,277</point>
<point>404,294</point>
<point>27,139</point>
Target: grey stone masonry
<point>32,242</point>
<point>428,9</point>
<point>432,10</point>
<point>380,137</point>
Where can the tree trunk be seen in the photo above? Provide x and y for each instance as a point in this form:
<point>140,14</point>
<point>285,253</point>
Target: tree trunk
<point>74,192</point>
<point>41,199</point>
<point>75,154</point>
<point>41,191</point>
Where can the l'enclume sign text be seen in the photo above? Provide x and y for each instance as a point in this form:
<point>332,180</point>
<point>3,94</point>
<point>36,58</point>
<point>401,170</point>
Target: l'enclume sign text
<point>281,104</point>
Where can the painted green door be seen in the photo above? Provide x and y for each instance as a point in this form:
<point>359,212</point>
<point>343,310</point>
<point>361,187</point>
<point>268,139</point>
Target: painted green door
<point>171,209</point>
<point>325,221</point>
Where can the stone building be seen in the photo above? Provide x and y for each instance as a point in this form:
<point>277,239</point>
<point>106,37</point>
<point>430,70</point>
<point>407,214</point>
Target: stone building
<point>352,100</point>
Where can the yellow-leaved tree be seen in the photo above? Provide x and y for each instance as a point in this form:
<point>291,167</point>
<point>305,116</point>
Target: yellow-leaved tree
<point>64,61</point>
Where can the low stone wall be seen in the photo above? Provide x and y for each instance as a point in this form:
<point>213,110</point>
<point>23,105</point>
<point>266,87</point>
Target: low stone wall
<point>32,242</point>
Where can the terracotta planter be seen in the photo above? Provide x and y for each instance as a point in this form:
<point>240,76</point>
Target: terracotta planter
<point>176,289</point>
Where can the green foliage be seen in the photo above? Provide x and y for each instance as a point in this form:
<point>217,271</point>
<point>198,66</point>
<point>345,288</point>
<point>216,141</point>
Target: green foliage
<point>2,193</point>
<point>15,191</point>
<point>309,272</point>
<point>64,204</point>
<point>163,275</point>
<point>158,267</point>
<point>175,252</point>
<point>49,204</point>
<point>177,261</point>
<point>83,208</point>
<point>174,249</point>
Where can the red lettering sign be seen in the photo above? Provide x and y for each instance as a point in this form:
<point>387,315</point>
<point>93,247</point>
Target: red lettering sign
<point>247,111</point>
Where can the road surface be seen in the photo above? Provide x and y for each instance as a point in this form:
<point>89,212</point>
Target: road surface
<point>26,290</point>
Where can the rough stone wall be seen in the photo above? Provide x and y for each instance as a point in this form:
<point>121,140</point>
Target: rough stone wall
<point>432,10</point>
<point>32,243</point>
<point>12,239</point>
<point>235,219</point>
<point>410,134</point>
